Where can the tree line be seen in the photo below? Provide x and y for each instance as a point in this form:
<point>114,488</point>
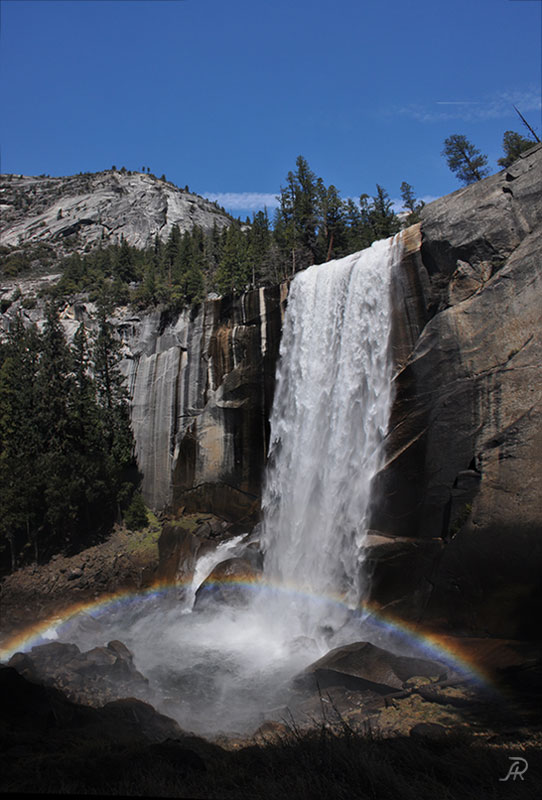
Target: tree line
<point>67,466</point>
<point>312,224</point>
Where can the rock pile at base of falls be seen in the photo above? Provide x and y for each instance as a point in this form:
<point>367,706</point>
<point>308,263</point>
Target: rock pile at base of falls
<point>94,677</point>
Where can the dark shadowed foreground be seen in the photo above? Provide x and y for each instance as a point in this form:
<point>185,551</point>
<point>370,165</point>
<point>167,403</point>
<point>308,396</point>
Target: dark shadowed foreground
<point>51,745</point>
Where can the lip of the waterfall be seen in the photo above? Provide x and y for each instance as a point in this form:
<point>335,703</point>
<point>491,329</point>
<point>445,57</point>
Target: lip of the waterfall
<point>405,636</point>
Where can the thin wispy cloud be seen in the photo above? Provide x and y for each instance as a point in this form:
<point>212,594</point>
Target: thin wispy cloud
<point>491,107</point>
<point>243,201</point>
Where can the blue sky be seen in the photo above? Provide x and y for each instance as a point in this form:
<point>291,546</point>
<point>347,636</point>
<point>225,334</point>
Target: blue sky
<point>223,96</point>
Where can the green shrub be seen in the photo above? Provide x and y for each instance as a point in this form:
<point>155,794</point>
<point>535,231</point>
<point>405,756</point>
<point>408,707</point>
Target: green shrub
<point>136,513</point>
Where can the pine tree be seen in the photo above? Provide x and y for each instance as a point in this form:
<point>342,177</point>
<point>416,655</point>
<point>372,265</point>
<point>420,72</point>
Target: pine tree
<point>125,269</point>
<point>513,145</point>
<point>407,196</point>
<point>89,456</point>
<point>358,232</point>
<point>212,250</point>
<point>194,281</point>
<point>66,446</point>
<point>410,203</point>
<point>258,244</point>
<point>112,397</point>
<point>332,230</point>
<point>171,250</point>
<point>297,217</point>
<point>382,219</point>
<point>136,514</point>
<point>54,383</point>
<point>21,443</point>
<point>234,271</point>
<point>468,163</point>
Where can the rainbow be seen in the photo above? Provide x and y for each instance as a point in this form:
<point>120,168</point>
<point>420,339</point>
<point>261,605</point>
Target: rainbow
<point>434,646</point>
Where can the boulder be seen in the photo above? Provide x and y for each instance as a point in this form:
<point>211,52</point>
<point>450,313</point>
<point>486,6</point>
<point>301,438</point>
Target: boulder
<point>75,574</point>
<point>227,583</point>
<point>93,677</point>
<point>53,741</point>
<point>28,706</point>
<point>362,665</point>
<point>429,731</point>
<point>178,549</point>
<point>47,657</point>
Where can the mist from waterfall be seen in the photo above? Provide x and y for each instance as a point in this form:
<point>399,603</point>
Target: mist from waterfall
<point>226,667</point>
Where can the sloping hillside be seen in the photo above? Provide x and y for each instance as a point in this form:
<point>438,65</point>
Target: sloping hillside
<point>79,211</point>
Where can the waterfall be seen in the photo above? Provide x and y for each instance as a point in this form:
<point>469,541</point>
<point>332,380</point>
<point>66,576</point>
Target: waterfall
<point>228,666</point>
<point>330,414</point>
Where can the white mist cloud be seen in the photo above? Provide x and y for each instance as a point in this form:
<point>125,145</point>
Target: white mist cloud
<point>243,201</point>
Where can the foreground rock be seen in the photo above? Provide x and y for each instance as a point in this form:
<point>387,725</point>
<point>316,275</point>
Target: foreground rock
<point>28,705</point>
<point>179,547</point>
<point>93,677</point>
<point>91,746</point>
<point>362,665</point>
<point>51,746</point>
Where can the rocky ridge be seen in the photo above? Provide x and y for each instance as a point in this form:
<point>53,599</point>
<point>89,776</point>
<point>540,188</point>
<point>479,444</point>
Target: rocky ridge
<point>79,212</point>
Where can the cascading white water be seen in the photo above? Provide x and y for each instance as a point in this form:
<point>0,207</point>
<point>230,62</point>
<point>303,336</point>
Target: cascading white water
<point>330,414</point>
<point>205,565</point>
<point>227,667</point>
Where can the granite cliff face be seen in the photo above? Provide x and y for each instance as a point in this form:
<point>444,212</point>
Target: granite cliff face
<point>202,387</point>
<point>98,208</point>
<point>201,384</point>
<point>460,498</point>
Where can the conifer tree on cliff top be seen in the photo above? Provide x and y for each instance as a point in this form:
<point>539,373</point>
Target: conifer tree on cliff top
<point>513,145</point>
<point>468,163</point>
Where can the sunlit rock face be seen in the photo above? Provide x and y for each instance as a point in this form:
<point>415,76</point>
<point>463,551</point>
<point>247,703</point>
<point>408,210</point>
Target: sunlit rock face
<point>201,386</point>
<point>98,208</point>
<point>463,468</point>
